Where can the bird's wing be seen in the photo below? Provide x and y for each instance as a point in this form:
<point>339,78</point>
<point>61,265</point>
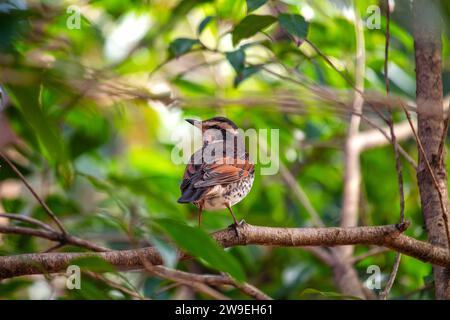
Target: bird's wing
<point>231,170</point>
<point>199,179</point>
<point>192,174</point>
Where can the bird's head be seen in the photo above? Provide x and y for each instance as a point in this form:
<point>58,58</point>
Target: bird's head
<point>216,128</point>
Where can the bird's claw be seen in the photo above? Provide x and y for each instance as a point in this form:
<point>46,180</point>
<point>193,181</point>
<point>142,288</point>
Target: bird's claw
<point>235,226</point>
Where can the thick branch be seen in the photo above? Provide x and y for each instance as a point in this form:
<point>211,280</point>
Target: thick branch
<point>388,236</point>
<point>432,173</point>
<point>373,138</point>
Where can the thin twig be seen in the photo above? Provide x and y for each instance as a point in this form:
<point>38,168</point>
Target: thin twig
<point>168,287</point>
<point>53,236</point>
<point>214,280</point>
<point>400,148</point>
<point>27,219</point>
<point>300,194</point>
<point>115,285</point>
<point>252,102</point>
<point>199,286</point>
<point>398,165</point>
<point>441,149</point>
<point>159,272</point>
<point>54,247</point>
<point>345,77</point>
<point>433,177</point>
<point>370,253</point>
<point>384,295</point>
<point>35,195</point>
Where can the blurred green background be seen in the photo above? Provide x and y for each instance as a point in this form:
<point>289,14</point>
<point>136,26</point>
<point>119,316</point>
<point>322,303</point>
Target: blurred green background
<point>91,113</point>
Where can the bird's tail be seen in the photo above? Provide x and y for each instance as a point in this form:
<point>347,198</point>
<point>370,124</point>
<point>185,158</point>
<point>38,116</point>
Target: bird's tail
<point>191,195</point>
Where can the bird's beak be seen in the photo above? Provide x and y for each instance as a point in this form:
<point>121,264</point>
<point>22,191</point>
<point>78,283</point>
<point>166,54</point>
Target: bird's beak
<point>195,123</point>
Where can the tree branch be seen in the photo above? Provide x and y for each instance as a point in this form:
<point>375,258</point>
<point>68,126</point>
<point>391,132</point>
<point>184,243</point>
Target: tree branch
<point>208,279</point>
<point>52,236</point>
<point>26,219</point>
<point>373,138</point>
<point>432,173</point>
<point>389,236</point>
<point>398,165</point>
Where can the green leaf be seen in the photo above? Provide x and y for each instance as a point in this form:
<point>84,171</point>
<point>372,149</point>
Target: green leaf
<point>27,99</point>
<point>13,286</point>
<point>180,46</point>
<point>13,23</point>
<point>93,263</point>
<point>295,24</point>
<point>250,25</point>
<point>204,23</point>
<point>236,59</point>
<point>200,244</point>
<point>252,5</point>
<point>244,74</point>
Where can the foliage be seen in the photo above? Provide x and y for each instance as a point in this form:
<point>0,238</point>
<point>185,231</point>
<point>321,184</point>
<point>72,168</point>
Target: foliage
<point>94,111</point>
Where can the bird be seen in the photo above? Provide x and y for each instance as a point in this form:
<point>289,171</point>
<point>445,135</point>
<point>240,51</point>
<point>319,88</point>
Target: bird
<point>219,174</point>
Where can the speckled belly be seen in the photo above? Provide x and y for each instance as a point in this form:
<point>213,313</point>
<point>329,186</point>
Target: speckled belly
<point>231,193</point>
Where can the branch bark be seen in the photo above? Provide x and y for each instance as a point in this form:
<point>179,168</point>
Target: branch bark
<point>389,236</point>
<point>430,114</point>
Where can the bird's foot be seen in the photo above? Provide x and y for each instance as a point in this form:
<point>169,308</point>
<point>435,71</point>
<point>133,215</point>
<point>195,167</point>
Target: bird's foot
<point>236,226</point>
